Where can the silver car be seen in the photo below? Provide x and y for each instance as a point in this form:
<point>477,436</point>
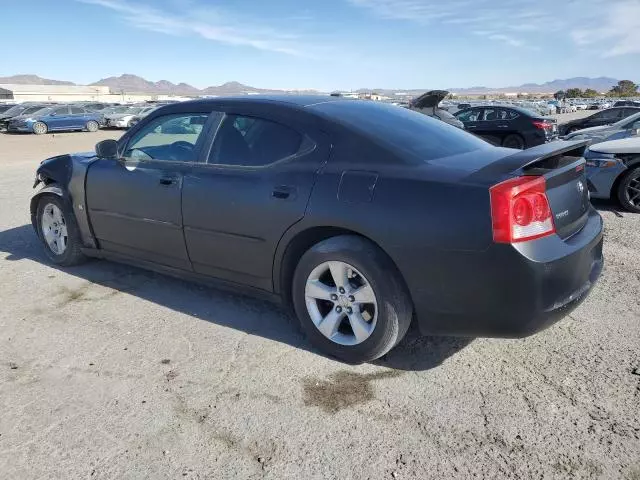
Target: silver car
<point>625,128</point>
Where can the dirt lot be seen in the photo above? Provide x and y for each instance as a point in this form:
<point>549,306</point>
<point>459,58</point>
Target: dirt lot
<point>108,371</point>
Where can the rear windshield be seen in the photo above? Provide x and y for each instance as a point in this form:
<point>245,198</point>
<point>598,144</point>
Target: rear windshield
<point>418,136</point>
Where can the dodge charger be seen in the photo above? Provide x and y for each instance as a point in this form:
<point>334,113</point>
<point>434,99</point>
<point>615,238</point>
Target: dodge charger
<point>363,217</point>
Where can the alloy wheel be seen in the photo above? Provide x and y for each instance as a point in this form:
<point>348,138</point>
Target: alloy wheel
<point>54,229</point>
<point>633,191</point>
<point>341,303</point>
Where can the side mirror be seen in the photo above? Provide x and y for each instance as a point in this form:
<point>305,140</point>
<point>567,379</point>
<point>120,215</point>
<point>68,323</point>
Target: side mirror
<point>107,149</point>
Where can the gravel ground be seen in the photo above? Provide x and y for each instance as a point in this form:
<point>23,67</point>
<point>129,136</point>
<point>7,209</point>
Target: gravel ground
<point>108,371</point>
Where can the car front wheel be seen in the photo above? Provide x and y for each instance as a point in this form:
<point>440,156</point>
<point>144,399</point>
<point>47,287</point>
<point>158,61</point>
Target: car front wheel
<point>58,231</point>
<point>629,191</point>
<point>350,299</point>
<point>40,128</point>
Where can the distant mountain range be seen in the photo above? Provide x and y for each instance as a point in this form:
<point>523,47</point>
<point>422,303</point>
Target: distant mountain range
<point>134,84</point>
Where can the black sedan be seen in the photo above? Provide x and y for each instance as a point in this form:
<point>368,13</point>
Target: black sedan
<point>511,127</point>
<point>603,117</point>
<point>360,215</point>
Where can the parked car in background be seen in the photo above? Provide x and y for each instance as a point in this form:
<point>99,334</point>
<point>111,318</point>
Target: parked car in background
<point>16,110</point>
<point>627,103</point>
<point>58,118</point>
<point>121,117</point>
<point>627,127</point>
<point>613,171</point>
<point>135,119</point>
<point>581,106</point>
<point>603,117</point>
<point>509,126</point>
<point>321,202</point>
<point>95,106</point>
<point>427,104</point>
<point>6,106</point>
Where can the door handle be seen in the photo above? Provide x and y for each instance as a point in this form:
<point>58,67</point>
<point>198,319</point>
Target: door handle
<point>168,181</point>
<point>283,192</point>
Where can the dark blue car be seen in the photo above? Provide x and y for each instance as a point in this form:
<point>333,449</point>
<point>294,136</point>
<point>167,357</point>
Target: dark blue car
<point>56,118</point>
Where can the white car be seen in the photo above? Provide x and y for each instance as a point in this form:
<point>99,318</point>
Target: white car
<point>581,106</point>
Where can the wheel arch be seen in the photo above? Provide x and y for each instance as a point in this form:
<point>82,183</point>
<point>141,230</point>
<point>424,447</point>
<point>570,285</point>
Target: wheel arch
<point>632,164</point>
<point>295,244</point>
<point>50,189</point>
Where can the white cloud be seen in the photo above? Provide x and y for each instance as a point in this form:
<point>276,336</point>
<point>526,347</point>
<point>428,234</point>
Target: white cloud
<point>611,25</point>
<point>616,32</point>
<point>203,22</point>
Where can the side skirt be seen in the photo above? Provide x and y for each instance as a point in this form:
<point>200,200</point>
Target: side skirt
<point>185,275</point>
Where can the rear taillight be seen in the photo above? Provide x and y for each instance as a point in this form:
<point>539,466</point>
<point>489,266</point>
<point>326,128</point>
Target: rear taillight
<point>542,125</point>
<point>520,210</point>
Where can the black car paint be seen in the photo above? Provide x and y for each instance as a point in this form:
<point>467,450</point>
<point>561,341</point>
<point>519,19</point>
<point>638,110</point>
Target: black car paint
<point>597,119</point>
<point>432,219</point>
<point>496,131</point>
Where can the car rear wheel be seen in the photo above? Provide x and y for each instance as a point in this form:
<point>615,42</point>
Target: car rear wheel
<point>40,128</point>
<point>58,231</point>
<point>350,299</point>
<point>513,141</point>
<point>629,191</point>
<point>92,126</point>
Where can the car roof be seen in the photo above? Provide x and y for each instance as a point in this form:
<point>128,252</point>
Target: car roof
<point>298,100</point>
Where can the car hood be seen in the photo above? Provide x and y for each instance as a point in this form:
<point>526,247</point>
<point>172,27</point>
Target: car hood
<point>430,99</point>
<point>625,145</point>
<point>589,131</point>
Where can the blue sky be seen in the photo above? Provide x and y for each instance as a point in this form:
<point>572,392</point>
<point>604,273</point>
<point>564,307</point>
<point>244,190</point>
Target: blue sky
<point>325,44</point>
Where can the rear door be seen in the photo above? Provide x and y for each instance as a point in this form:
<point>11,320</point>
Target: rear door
<point>256,184</point>
<point>79,117</point>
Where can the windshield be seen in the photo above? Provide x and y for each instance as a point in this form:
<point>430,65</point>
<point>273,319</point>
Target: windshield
<point>40,111</point>
<point>419,136</point>
<point>33,109</point>
<point>15,110</point>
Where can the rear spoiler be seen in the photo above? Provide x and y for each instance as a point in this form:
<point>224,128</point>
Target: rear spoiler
<point>527,158</point>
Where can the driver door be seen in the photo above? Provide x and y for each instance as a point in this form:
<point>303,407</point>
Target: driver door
<point>135,202</point>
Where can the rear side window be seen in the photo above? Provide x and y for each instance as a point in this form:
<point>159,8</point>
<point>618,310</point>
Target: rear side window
<point>612,114</point>
<point>419,137</point>
<point>76,110</point>
<point>253,142</point>
<point>61,111</point>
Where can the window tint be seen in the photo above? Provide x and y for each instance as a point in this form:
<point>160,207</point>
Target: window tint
<point>611,114</point>
<point>469,115</point>
<point>61,111</point>
<point>76,110</point>
<point>419,137</point>
<point>253,142</point>
<point>506,114</point>
<point>171,138</point>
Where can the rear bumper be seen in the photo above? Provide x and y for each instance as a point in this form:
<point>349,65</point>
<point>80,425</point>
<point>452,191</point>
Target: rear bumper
<point>510,290</point>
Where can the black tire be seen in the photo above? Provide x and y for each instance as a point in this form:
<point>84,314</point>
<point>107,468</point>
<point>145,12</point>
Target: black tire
<point>92,126</point>
<point>395,308</point>
<point>72,255</point>
<point>40,128</point>
<point>629,190</point>
<point>514,141</point>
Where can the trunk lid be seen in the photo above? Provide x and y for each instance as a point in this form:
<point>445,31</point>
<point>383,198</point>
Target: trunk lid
<point>563,169</point>
<point>431,99</point>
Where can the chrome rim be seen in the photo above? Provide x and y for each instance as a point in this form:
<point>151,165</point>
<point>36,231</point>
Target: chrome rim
<point>633,191</point>
<point>92,126</point>
<point>39,128</point>
<point>54,229</point>
<point>341,303</point>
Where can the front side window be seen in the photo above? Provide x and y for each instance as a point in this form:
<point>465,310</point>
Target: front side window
<point>61,111</point>
<point>169,138</point>
<point>253,142</point>
<point>76,110</point>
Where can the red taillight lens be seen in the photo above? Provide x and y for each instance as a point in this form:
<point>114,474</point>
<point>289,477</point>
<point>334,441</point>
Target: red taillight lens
<point>520,210</point>
<point>542,125</point>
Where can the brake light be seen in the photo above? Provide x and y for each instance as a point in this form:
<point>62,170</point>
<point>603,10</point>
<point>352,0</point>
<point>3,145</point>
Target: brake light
<point>542,125</point>
<point>520,210</point>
